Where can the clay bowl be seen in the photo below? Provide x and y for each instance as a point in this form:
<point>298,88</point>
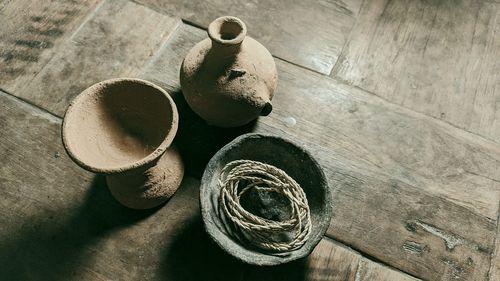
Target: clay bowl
<point>291,158</point>
<point>123,128</point>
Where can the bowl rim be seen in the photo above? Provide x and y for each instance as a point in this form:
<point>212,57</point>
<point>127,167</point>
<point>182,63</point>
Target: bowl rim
<point>225,242</point>
<point>159,150</point>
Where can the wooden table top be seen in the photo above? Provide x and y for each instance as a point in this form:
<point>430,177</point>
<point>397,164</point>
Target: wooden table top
<point>397,100</point>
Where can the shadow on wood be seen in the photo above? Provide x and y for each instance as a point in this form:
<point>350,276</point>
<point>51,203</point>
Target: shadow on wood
<point>196,140</point>
<point>57,248</point>
<point>194,256</point>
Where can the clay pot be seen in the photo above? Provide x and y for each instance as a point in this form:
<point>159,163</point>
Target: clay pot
<point>281,153</point>
<point>123,128</point>
<point>229,78</point>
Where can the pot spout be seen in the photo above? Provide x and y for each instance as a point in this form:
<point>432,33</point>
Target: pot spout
<point>264,101</point>
<point>266,109</point>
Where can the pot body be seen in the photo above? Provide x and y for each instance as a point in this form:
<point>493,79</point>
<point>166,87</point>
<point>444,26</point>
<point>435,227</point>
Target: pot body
<point>229,82</point>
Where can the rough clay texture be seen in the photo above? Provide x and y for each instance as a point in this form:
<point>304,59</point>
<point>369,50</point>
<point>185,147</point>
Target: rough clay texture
<point>291,158</point>
<point>229,79</point>
<point>148,188</point>
<point>124,128</point>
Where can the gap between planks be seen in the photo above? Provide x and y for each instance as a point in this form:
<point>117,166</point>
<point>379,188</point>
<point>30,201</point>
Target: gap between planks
<point>51,116</point>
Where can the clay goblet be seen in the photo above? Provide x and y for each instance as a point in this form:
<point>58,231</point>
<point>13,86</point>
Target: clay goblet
<point>123,128</point>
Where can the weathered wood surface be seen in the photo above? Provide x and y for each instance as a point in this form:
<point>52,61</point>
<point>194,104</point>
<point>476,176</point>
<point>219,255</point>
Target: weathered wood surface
<point>307,33</point>
<point>117,40</point>
<point>403,182</point>
<point>410,190</point>
<point>328,258</point>
<point>369,271</point>
<point>31,33</point>
<point>436,57</point>
<point>61,223</point>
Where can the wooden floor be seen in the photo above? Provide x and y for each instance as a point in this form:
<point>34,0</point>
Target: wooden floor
<point>398,100</point>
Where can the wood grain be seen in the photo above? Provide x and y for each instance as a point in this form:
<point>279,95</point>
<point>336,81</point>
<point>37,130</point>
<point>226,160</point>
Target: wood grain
<point>403,182</point>
<point>368,271</point>
<point>60,222</point>
<point>117,41</point>
<point>32,32</point>
<point>326,259</point>
<point>435,57</point>
<point>329,261</point>
<point>307,33</point>
<point>424,235</point>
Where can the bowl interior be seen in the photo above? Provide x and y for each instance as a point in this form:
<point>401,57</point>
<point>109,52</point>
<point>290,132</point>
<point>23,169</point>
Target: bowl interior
<point>115,123</point>
<point>285,155</point>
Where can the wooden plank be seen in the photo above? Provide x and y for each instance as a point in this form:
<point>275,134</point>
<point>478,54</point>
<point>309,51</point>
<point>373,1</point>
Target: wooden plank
<point>435,57</point>
<point>369,271</point>
<point>117,40</point>
<point>307,33</point>
<point>32,32</point>
<point>424,235</point>
<point>59,221</point>
<point>332,262</point>
<point>328,262</point>
<point>438,183</point>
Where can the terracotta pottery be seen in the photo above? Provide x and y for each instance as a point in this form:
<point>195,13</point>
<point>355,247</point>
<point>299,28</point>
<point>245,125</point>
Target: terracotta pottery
<point>123,128</point>
<point>229,78</point>
<point>283,154</point>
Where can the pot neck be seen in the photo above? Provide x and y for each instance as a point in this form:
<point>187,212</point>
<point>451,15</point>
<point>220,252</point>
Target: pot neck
<point>224,51</point>
<point>227,35</point>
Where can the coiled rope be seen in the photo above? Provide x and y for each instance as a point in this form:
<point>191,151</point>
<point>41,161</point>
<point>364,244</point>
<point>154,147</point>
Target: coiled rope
<point>241,176</point>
